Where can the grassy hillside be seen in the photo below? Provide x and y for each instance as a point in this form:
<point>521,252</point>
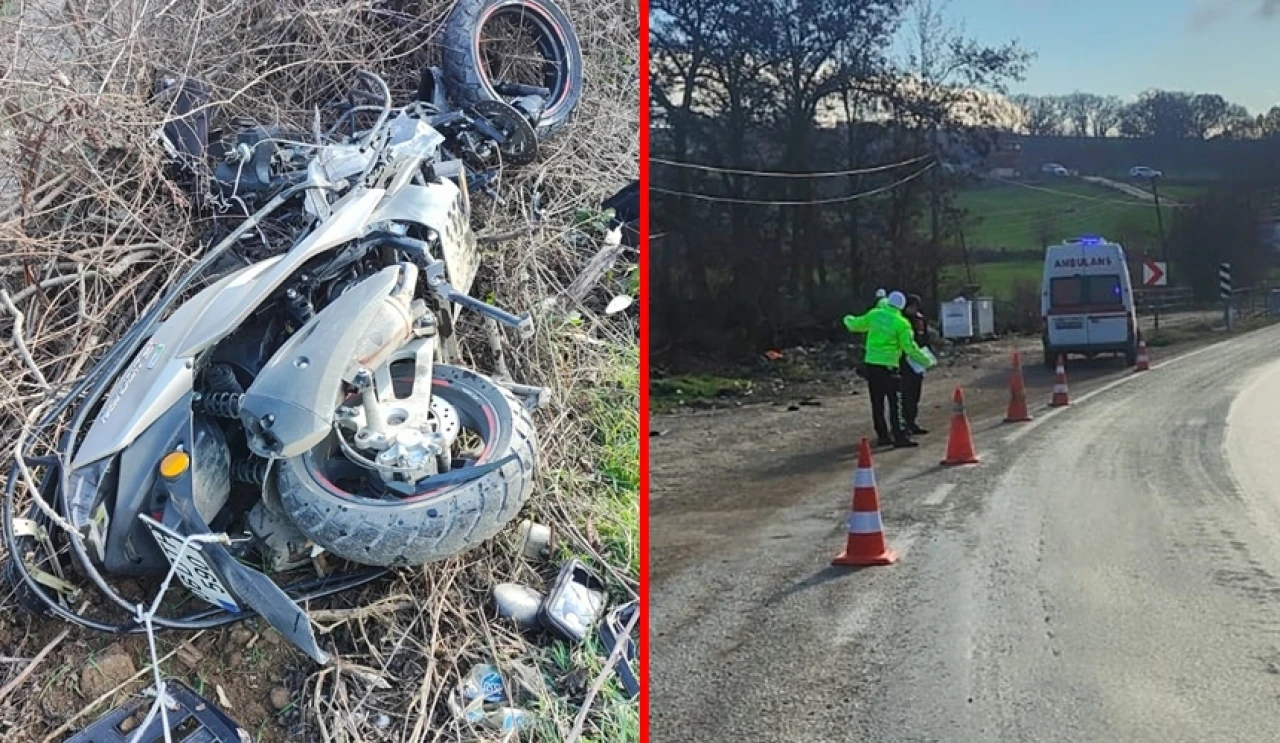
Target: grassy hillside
<point>1017,218</point>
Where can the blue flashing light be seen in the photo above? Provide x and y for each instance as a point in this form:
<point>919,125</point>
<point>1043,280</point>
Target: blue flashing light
<point>1089,240</point>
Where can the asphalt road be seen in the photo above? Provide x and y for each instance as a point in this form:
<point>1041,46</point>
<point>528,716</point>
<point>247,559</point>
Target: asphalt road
<point>1108,573</point>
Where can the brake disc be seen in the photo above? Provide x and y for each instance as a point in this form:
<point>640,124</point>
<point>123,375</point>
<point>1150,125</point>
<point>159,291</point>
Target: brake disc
<point>521,147</point>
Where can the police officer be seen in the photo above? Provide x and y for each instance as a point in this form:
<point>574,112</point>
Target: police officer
<point>889,336</point>
<point>913,381</point>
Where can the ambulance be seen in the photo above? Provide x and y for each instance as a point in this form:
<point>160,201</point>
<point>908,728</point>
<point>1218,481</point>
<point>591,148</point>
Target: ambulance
<point>1086,301</point>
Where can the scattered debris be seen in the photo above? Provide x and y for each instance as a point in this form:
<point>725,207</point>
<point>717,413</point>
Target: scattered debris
<point>618,304</point>
<point>519,603</point>
<point>191,718</point>
<point>613,631</point>
<point>574,603</point>
<point>189,656</point>
<point>535,539</point>
<point>222,696</point>
<point>481,699</point>
<point>483,682</point>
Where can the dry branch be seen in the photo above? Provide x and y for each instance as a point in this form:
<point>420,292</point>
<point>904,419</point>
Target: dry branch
<point>93,227</point>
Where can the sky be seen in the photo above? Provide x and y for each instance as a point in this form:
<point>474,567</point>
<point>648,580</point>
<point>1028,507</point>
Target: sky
<point>1122,47</point>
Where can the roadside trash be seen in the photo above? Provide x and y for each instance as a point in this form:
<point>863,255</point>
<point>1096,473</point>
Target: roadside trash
<point>613,631</point>
<point>191,718</point>
<point>618,304</point>
<point>535,540</point>
<point>481,699</point>
<point>574,603</point>
<point>508,718</point>
<point>519,603</point>
<point>483,683</point>
<point>773,355</point>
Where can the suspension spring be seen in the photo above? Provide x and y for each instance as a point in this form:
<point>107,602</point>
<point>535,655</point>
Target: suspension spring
<point>252,470</point>
<point>221,404</point>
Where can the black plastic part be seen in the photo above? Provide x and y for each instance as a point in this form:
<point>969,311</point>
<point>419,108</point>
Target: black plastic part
<point>300,592</point>
<point>612,632</point>
<point>431,88</point>
<point>250,586</point>
<point>192,719</point>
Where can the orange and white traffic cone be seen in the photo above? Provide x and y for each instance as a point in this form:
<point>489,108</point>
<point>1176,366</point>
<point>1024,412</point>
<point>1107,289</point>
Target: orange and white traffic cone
<point>1017,412</point>
<point>960,442</point>
<point>1144,362</point>
<point>1060,396</point>
<point>865,543</point>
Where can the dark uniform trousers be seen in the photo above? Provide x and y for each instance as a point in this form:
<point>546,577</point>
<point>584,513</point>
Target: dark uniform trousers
<point>885,386</point>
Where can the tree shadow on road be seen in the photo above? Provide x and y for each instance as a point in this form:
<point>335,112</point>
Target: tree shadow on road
<point>1037,375</point>
<point>840,457</point>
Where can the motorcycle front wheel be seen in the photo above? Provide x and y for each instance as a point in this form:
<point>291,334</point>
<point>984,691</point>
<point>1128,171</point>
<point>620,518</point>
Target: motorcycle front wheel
<point>332,501</point>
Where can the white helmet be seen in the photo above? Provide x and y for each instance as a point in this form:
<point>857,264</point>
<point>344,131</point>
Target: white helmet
<point>897,299</point>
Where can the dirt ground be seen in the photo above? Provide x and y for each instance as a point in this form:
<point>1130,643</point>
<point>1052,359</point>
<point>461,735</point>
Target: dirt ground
<point>778,449</point>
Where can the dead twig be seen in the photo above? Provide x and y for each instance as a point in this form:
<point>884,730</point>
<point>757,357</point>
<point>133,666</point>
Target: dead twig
<point>21,678</point>
<point>20,341</point>
<point>339,617</point>
<point>598,684</point>
<point>594,271</point>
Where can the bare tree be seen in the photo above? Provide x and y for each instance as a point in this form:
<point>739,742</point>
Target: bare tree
<point>1106,115</point>
<point>1041,116</point>
<point>1078,109</point>
<point>947,73</point>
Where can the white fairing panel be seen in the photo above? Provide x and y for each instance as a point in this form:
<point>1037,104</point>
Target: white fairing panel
<point>161,373</point>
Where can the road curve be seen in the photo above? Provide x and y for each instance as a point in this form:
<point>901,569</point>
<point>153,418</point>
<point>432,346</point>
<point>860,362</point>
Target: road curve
<point>1111,572</point>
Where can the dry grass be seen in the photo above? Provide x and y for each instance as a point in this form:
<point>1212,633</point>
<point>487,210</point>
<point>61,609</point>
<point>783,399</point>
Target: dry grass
<point>90,230</point>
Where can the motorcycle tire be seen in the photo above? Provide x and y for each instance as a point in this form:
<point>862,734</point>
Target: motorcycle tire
<point>426,527</point>
<point>467,79</point>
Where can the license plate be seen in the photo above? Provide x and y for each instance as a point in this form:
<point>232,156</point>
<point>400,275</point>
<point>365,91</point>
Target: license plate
<point>193,569</point>
<point>1068,323</point>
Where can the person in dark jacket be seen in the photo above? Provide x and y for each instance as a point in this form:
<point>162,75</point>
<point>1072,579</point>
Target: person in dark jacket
<point>912,381</point>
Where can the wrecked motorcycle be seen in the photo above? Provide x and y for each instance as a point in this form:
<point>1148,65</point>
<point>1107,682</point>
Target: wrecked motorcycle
<point>307,403</point>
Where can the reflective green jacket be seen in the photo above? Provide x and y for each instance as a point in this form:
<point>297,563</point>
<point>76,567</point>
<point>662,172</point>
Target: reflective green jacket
<point>889,336</point>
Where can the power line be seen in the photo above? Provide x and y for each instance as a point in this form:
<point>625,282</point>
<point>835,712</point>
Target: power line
<point>774,174</point>
<point>762,202</point>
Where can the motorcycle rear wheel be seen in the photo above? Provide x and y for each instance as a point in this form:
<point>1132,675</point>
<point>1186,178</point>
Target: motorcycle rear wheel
<point>466,66</point>
<point>432,525</point>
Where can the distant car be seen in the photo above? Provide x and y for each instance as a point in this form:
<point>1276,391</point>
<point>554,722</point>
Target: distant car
<point>1145,173</point>
<point>1054,169</point>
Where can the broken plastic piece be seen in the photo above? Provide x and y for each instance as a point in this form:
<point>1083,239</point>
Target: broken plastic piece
<point>612,632</point>
<point>192,719</point>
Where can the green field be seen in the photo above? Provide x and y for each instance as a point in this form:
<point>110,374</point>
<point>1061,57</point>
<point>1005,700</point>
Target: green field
<point>1017,218</point>
<point>999,280</point>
